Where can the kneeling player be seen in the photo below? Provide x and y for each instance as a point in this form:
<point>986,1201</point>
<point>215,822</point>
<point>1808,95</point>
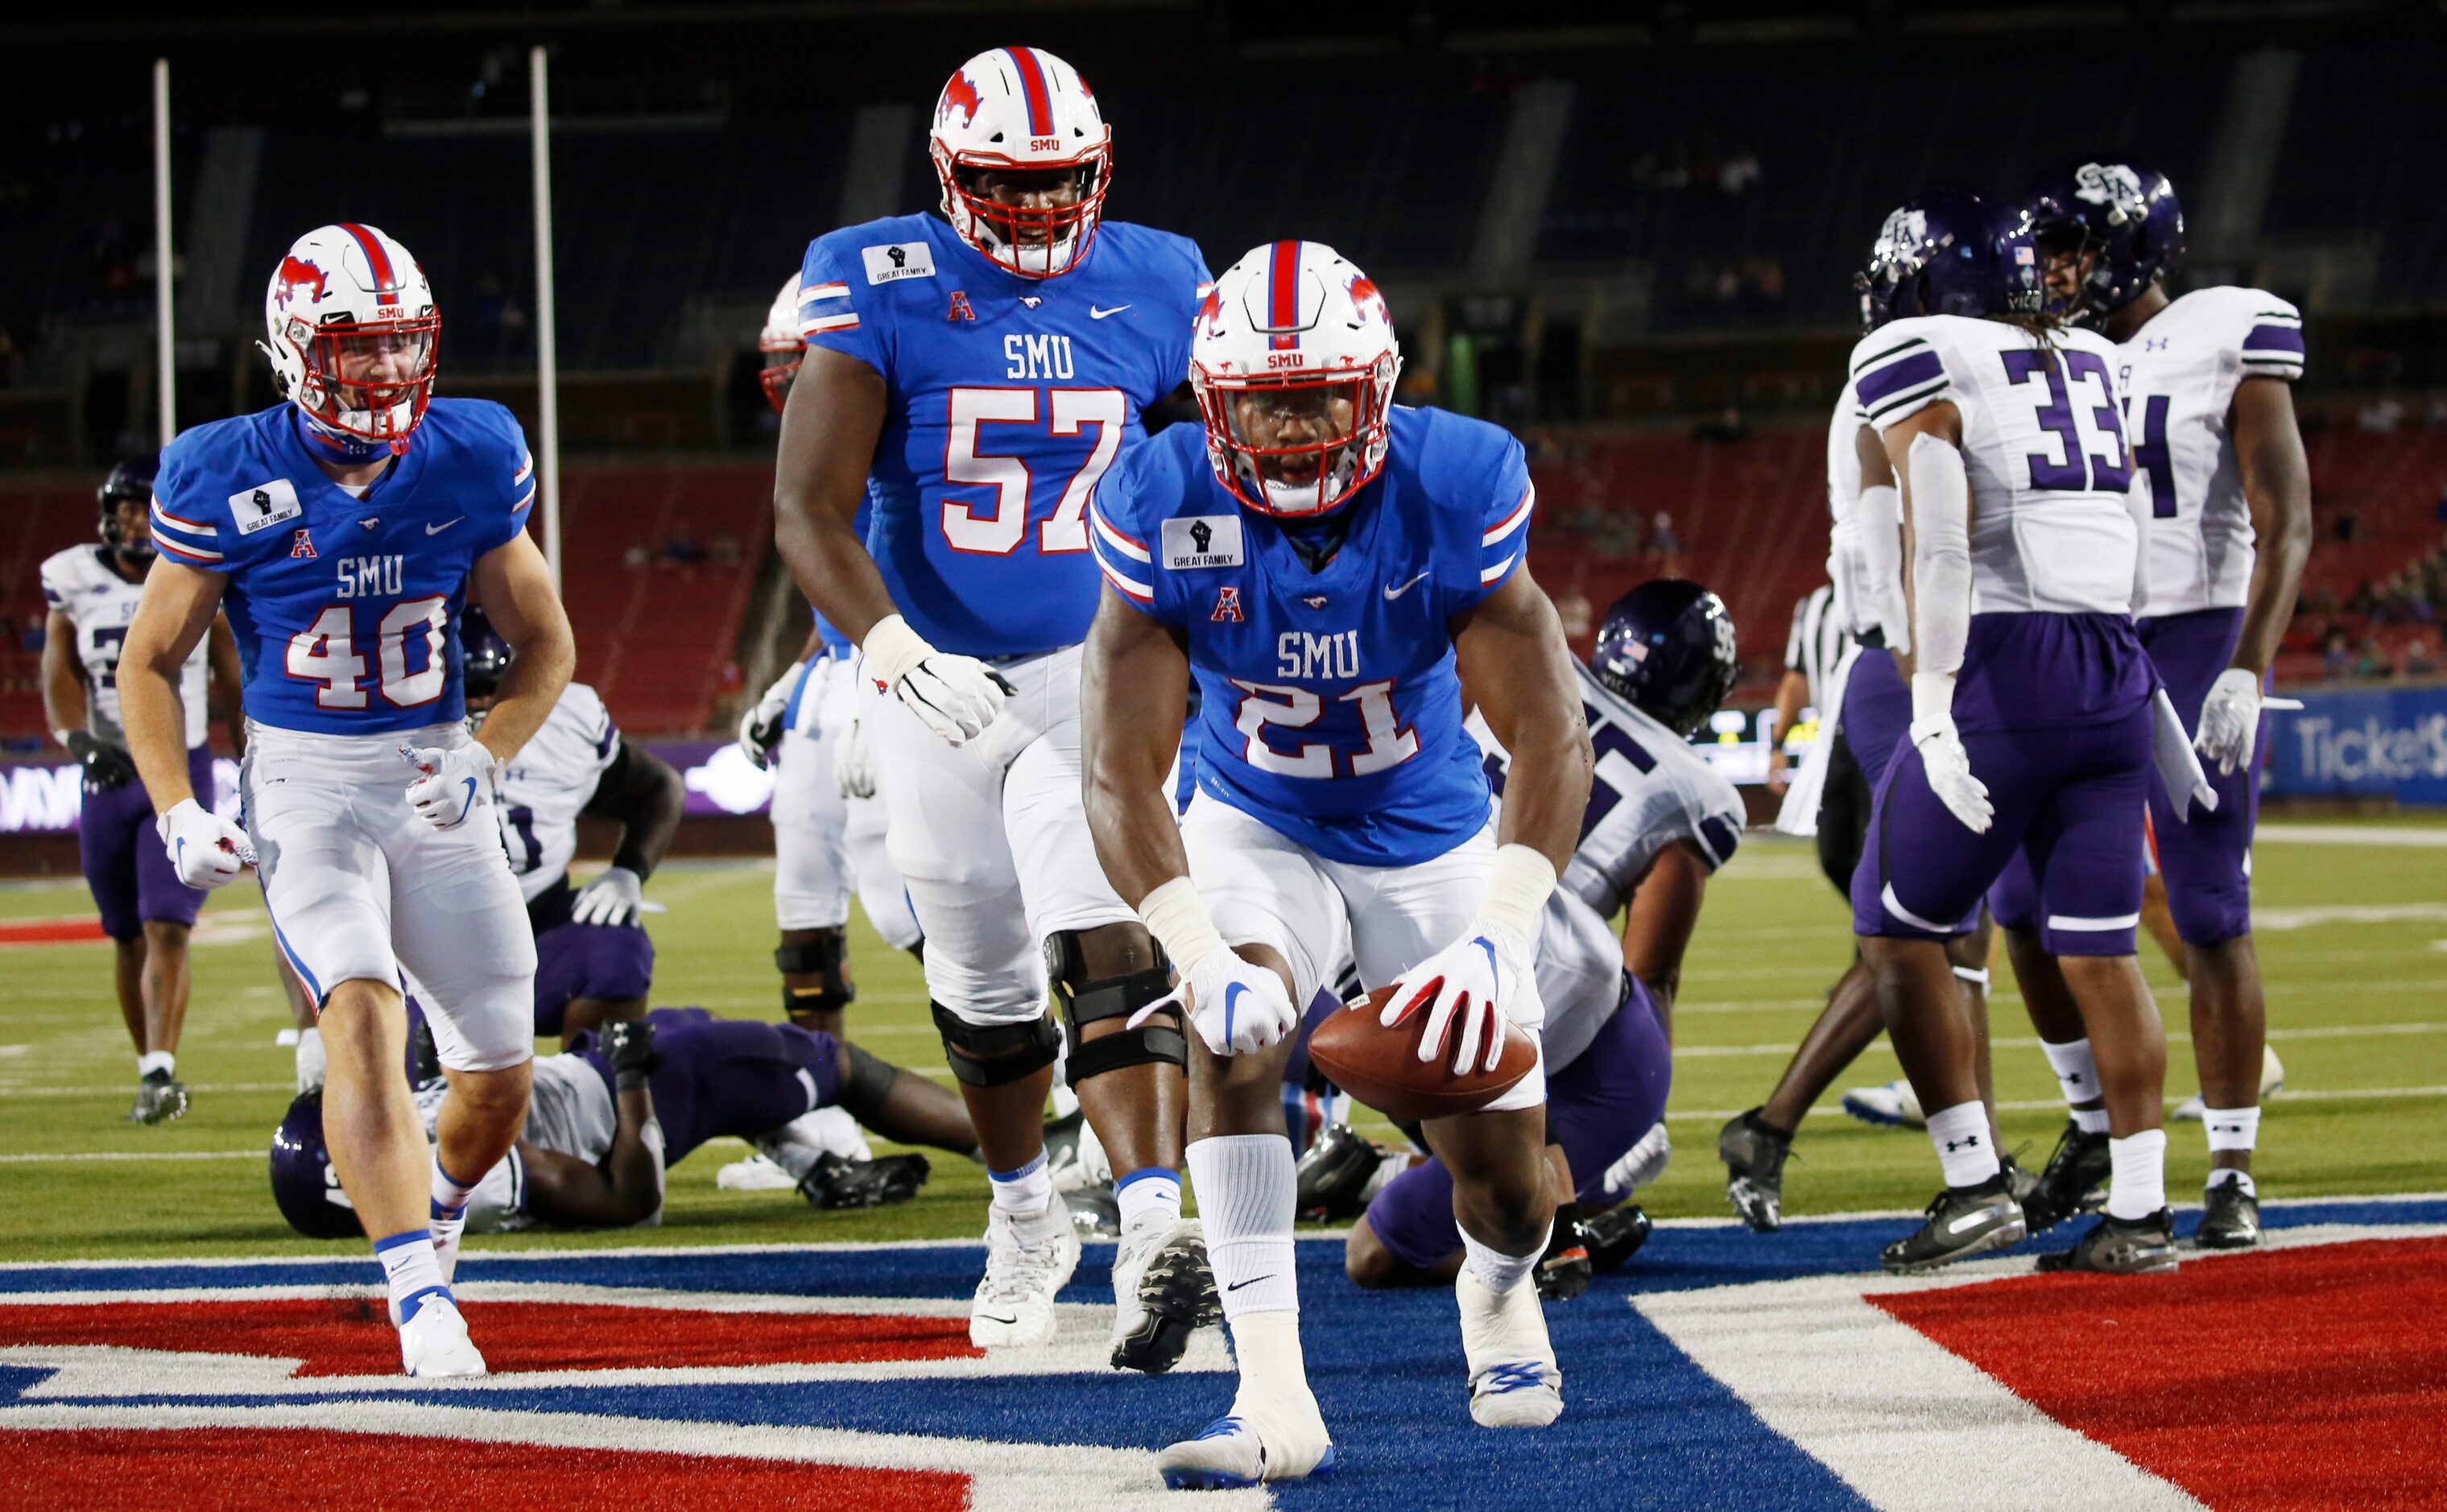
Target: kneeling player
<point>1325,564</point>
<point>593,960</point>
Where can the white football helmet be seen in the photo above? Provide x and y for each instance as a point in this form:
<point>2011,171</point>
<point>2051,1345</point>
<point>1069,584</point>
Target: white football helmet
<point>352,331</point>
<point>1021,110</point>
<point>1293,362</point>
<point>782,345</point>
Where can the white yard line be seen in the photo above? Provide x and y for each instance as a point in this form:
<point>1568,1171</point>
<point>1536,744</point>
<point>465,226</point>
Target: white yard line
<point>2432,838</point>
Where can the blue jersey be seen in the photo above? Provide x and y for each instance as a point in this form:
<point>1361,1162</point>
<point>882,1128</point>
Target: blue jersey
<point>1008,398</point>
<point>1329,706</point>
<point>346,609</point>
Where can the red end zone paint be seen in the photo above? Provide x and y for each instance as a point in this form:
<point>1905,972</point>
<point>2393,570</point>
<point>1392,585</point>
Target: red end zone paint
<point>350,1336</point>
<point>2314,1377</point>
<point>51,930</point>
<point>255,1471</point>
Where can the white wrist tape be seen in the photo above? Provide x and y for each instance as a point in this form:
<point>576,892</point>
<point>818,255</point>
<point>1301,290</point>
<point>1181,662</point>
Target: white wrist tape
<point>891,647</point>
<point>1878,526</point>
<point>1177,917</point>
<point>1941,504</point>
<point>1517,890</point>
<point>1932,699</point>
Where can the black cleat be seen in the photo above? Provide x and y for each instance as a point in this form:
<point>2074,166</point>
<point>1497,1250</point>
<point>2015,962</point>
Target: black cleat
<point>160,1098</point>
<point>1962,1221</point>
<point>2019,1180</point>
<point>2118,1246</point>
<point>1564,1271</point>
<point>1615,1236</point>
<point>1176,1298</point>
<point>1754,1151</point>
<point>834,1182</point>
<point>2232,1219</point>
<point>1332,1175</point>
<point>2074,1181</point>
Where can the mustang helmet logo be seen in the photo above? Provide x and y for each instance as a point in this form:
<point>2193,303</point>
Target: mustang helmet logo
<point>298,276</point>
<point>963,94</point>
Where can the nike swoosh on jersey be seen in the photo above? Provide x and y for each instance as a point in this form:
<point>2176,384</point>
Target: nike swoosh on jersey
<point>1391,594</point>
<point>1094,314</point>
<point>436,530</point>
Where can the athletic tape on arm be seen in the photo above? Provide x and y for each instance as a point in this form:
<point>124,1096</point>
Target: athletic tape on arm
<point>1941,505</point>
<point>1878,526</point>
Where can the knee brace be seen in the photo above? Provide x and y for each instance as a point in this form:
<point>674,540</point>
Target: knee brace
<point>820,959</point>
<point>992,1054</point>
<point>862,1090</point>
<point>1158,1042</point>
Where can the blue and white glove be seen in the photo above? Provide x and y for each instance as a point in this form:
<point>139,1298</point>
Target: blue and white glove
<point>205,849</point>
<point>1474,979</point>
<point>760,729</point>
<point>956,697</point>
<point>1237,1007</point>
<point>854,762</point>
<point>450,781</point>
<point>612,899</point>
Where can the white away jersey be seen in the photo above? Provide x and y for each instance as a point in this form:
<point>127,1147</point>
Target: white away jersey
<point>570,1110</point>
<point>1580,977</point>
<point>2042,442</point>
<point>551,779</point>
<point>80,584</point>
<point>2177,376</point>
<point>1650,789</point>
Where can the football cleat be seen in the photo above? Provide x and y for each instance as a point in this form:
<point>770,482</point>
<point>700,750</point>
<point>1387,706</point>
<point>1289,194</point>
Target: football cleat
<point>1514,1382</point>
<point>160,1098</point>
<point>2232,1219</point>
<point>758,1173</point>
<point>434,1342</point>
<point>1027,1261</point>
<point>2019,1180</point>
<point>1754,1152</point>
<point>2074,1181</point>
<point>2118,1246</point>
<point>1565,1271</point>
<point>1615,1236</point>
<point>1164,1291</point>
<point>1642,1163</point>
<point>1892,1104</point>
<point>1334,1173</point>
<point>1062,1162</point>
<point>1231,1452</point>
<point>1094,1212</point>
<point>2272,1081</point>
<point>1962,1221</point>
<point>836,1182</point>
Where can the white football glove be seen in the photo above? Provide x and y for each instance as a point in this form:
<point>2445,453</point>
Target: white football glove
<point>1473,978</point>
<point>760,729</point>
<point>2229,721</point>
<point>1236,1007</point>
<point>613,898</point>
<point>205,849</point>
<point>1949,772</point>
<point>957,696</point>
<point>450,781</point>
<point>854,762</point>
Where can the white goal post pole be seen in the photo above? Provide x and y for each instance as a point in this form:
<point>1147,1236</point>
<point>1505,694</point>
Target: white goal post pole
<point>547,339</point>
<point>165,356</point>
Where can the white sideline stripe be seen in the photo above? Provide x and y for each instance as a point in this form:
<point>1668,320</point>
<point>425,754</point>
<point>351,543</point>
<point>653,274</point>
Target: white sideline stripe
<point>2031,1041</point>
<point>2268,918</point>
<point>120,1091</point>
<point>2041,1105</point>
<point>2351,835</point>
<point>263,1154</point>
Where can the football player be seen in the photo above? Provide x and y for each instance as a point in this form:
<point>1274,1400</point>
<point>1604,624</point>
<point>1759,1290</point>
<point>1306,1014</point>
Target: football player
<point>343,529</point>
<point>2032,723</point>
<point>1660,820</point>
<point>970,378</point>
<point>91,593</point>
<point>2206,385</point>
<point>593,959</point>
<point>622,1105</point>
<point>1331,570</point>
<point>828,822</point>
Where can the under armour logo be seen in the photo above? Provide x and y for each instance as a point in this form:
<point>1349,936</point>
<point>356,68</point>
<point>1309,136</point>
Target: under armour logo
<point>1200,535</point>
<point>1971,1141</point>
<point>899,258</point>
<point>2157,342</point>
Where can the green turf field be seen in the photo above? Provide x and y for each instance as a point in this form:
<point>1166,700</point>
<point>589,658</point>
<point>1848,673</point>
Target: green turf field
<point>2353,939</point>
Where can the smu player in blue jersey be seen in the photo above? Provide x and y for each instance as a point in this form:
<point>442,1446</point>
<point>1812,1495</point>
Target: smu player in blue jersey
<point>342,531</point>
<point>1329,570</point>
<point>968,380</point>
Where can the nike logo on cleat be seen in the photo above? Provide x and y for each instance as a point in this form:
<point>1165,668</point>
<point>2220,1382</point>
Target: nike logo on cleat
<point>1094,314</point>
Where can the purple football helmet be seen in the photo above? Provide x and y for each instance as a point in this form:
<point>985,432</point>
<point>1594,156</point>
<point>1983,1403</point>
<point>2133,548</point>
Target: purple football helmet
<point>1950,253</point>
<point>1667,648</point>
<point>2124,213</point>
<point>303,1181</point>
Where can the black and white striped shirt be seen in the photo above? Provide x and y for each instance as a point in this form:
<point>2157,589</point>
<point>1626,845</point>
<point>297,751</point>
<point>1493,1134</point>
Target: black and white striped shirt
<point>1817,642</point>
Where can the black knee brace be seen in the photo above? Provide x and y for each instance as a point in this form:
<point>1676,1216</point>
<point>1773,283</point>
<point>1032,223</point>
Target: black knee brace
<point>823,958</point>
<point>992,1054</point>
<point>1157,1042</point>
<point>862,1090</point>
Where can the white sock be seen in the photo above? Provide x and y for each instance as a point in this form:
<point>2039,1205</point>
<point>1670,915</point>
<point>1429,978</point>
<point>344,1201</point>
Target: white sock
<point>1148,1195</point>
<point>1964,1149</point>
<point>152,1061</point>
<point>2090,1119</point>
<point>409,1262</point>
<point>1247,1190</point>
<point>2076,1071</point>
<point>450,1192</point>
<point>2138,1188</point>
<point>1023,1193</point>
<point>2229,1176</point>
<point>1498,1271</point>
<point>2232,1128</point>
<point>309,1059</point>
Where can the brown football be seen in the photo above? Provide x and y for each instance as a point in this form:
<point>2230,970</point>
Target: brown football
<point>1381,1067</point>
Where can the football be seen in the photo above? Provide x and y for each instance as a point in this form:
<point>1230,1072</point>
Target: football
<point>1381,1067</point>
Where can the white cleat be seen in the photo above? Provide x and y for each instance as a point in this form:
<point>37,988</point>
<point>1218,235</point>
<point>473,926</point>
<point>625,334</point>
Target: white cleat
<point>1164,1291</point>
<point>1236,1451</point>
<point>1894,1104</point>
<point>1027,1261</point>
<point>1514,1382</point>
<point>758,1173</point>
<point>2273,1080</point>
<point>1641,1164</point>
<point>434,1344</point>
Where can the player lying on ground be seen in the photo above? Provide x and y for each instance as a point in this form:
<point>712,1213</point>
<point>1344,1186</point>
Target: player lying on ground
<point>1325,564</point>
<point>618,1109</point>
<point>91,593</point>
<point>344,528</point>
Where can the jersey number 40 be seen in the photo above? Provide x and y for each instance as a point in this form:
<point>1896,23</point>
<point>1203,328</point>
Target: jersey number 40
<point>999,531</point>
<point>324,654</point>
